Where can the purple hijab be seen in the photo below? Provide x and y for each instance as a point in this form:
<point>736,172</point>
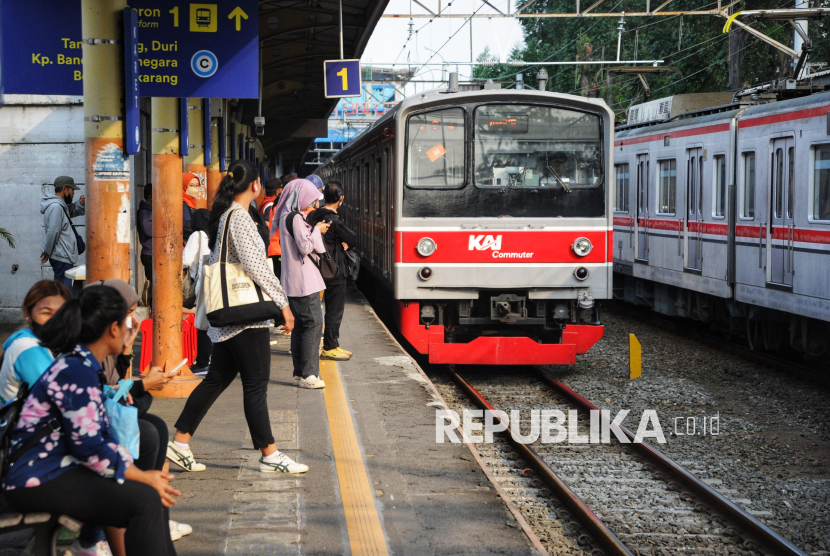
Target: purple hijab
<point>297,195</point>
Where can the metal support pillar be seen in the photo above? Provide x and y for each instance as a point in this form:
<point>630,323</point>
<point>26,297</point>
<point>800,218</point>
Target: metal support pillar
<point>108,224</point>
<point>214,175</point>
<point>194,160</point>
<point>167,244</point>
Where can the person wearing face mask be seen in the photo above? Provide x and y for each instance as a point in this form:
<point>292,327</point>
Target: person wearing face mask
<point>337,240</point>
<point>81,470</point>
<point>24,359</point>
<point>191,190</point>
<point>60,248</point>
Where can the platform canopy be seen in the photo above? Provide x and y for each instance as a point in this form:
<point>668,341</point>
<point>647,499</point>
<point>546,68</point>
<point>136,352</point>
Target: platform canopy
<point>295,38</point>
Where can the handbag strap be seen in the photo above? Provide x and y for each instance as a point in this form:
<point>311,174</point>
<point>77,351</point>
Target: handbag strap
<point>66,212</point>
<point>223,260</point>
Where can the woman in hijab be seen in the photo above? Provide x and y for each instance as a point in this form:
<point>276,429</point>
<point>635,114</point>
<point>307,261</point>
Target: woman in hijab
<point>191,188</point>
<point>301,278</point>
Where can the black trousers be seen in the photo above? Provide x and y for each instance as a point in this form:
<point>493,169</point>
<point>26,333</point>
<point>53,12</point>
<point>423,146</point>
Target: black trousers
<point>203,347</point>
<point>147,263</point>
<point>89,497</point>
<point>335,300</point>
<point>152,447</point>
<point>248,354</point>
<point>305,338</point>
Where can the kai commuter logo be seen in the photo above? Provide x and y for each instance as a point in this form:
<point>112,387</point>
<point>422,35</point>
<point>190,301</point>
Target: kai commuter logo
<point>482,243</point>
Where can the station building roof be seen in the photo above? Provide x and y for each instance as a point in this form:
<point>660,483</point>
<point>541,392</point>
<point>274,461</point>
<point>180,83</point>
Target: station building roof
<point>295,38</point>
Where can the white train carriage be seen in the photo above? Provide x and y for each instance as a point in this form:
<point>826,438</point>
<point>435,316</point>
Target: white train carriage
<point>724,216</point>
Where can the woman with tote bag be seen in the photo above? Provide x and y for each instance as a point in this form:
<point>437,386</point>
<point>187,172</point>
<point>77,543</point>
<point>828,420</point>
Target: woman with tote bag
<point>237,259</point>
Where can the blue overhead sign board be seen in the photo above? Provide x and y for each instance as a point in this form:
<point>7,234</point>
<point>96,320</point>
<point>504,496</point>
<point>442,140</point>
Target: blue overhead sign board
<point>42,47</point>
<point>341,78</point>
<point>198,50</point>
<point>185,49</point>
<point>132,111</point>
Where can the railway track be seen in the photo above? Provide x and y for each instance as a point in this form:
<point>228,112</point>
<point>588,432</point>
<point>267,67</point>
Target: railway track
<point>625,499</point>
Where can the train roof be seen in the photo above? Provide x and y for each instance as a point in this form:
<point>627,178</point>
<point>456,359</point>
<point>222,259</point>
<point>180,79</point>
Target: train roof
<point>724,112</point>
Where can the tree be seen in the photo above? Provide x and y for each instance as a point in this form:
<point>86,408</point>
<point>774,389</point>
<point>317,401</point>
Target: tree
<point>5,234</point>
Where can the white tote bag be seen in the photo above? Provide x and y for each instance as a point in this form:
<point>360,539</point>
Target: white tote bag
<point>231,296</point>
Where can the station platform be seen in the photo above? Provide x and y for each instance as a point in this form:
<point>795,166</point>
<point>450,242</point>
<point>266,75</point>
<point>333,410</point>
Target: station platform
<point>378,482</point>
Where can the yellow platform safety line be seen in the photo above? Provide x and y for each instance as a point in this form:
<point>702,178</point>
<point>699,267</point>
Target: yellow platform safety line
<point>362,519</point>
<point>635,357</point>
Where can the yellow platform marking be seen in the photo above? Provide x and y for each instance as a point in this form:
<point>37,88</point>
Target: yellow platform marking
<point>635,357</point>
<point>362,519</point>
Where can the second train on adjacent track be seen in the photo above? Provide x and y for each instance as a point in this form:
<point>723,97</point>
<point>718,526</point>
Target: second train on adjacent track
<point>485,217</point>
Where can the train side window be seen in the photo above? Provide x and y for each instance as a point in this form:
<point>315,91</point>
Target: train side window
<point>621,191</point>
<point>435,148</point>
<point>778,190</point>
<point>790,180</point>
<point>667,187</point>
<point>719,190</point>
<point>821,183</point>
<point>748,186</point>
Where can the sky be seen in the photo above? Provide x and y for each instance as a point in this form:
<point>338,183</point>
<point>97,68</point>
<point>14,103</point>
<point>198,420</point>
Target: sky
<point>388,43</point>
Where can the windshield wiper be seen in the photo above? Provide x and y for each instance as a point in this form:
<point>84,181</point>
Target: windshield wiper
<point>562,183</point>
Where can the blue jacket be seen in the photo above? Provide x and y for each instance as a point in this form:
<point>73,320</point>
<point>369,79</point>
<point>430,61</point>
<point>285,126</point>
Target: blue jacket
<point>24,361</point>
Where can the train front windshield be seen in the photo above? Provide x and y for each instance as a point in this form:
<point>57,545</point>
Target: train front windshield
<point>504,160</point>
<point>536,146</point>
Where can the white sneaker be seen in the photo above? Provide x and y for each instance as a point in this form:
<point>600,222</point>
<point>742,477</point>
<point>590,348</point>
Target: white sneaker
<point>183,458</point>
<point>179,530</point>
<point>281,464</point>
<point>101,548</point>
<point>311,382</point>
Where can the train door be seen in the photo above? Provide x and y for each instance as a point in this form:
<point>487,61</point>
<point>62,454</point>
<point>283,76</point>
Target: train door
<point>780,229</point>
<point>693,218</point>
<point>641,225</point>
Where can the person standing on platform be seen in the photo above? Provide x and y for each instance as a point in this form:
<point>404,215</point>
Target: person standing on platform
<point>144,216</point>
<point>195,255</point>
<point>318,183</point>
<point>243,350</point>
<point>337,240</point>
<point>273,189</point>
<point>301,278</point>
<point>60,246</point>
<point>191,187</point>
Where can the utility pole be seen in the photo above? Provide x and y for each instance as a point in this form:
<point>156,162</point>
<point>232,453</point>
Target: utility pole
<point>108,226</point>
<point>194,160</point>
<point>167,244</point>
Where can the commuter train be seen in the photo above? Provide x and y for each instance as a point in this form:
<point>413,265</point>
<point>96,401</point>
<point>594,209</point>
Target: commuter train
<point>484,216</point>
<point>723,215</point>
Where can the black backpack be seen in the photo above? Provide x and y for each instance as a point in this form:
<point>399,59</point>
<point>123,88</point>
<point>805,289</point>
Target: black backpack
<point>326,266</point>
<point>9,415</point>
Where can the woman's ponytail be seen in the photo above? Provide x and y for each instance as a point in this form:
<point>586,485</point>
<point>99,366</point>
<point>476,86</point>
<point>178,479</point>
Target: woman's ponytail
<point>238,179</point>
<point>84,320</point>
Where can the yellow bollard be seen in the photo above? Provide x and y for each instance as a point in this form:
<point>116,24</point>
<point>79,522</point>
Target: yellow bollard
<point>635,357</point>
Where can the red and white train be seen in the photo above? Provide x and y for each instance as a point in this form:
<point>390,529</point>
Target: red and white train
<point>486,217</point>
<point>723,215</point>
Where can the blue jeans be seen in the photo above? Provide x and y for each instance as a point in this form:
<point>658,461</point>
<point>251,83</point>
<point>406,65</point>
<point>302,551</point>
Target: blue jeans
<point>60,268</point>
<point>305,338</point>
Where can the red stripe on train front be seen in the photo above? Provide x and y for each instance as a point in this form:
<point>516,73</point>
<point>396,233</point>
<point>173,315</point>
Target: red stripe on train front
<point>494,246</point>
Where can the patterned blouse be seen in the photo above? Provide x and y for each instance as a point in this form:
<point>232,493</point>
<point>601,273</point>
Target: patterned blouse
<point>245,246</point>
<point>70,391</point>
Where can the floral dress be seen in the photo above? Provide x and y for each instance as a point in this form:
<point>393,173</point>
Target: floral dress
<point>70,392</point>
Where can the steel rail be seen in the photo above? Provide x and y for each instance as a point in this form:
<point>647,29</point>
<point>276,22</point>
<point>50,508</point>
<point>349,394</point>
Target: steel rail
<point>592,523</point>
<point>763,537</point>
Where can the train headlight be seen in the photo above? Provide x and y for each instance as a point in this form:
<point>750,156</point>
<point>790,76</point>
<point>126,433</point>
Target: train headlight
<point>426,247</point>
<point>582,246</point>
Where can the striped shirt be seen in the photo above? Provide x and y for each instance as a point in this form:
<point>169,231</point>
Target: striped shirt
<point>245,246</point>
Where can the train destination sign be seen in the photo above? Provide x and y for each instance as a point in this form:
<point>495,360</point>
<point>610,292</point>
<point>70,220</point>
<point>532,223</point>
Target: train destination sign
<point>184,49</point>
<point>342,78</point>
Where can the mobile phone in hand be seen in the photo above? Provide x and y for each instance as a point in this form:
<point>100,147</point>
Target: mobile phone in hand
<point>177,367</point>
